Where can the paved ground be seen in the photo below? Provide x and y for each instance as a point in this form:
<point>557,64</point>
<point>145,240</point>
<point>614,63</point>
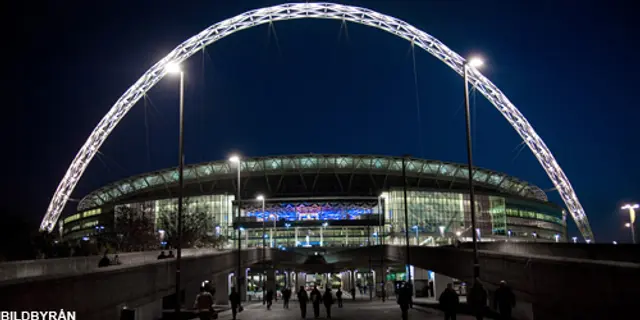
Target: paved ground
<point>361,310</point>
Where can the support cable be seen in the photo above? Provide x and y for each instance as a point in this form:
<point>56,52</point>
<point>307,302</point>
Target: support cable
<point>415,79</point>
<point>146,132</point>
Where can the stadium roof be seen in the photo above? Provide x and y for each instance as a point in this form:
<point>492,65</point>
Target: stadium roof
<point>310,163</point>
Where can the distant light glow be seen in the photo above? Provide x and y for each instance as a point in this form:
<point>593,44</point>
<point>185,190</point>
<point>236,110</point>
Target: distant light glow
<point>628,225</point>
<point>85,238</point>
<point>173,68</point>
<point>575,239</point>
<point>476,62</point>
<point>234,159</point>
<point>260,198</point>
<point>630,206</point>
<point>458,233</point>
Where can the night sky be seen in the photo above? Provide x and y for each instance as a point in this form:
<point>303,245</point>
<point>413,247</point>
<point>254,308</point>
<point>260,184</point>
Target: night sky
<point>310,86</point>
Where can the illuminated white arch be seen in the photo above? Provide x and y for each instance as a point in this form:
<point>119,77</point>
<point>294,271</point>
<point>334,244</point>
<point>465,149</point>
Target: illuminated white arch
<point>318,11</point>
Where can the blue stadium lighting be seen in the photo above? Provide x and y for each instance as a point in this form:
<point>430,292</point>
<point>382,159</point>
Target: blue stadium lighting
<point>85,238</point>
<point>241,229</point>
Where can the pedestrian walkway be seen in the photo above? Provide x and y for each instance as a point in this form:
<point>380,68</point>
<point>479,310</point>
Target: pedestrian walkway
<point>375,310</point>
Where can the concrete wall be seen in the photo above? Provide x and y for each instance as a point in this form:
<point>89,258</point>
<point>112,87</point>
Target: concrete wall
<point>76,265</point>
<point>100,294</point>
<point>598,251</point>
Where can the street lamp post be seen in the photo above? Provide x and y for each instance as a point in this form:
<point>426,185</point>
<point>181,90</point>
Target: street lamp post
<point>261,198</point>
<point>632,219</point>
<point>474,63</point>
<point>175,68</point>
<point>236,159</point>
<point>406,219</point>
<point>273,231</point>
<point>383,274</point>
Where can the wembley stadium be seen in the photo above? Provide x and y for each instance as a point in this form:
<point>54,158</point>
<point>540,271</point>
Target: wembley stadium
<point>332,200</point>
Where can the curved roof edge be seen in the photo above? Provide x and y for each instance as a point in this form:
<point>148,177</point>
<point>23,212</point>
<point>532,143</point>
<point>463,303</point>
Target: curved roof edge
<point>311,163</point>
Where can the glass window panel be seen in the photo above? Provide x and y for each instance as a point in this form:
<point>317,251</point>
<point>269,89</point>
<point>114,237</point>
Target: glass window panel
<point>114,192</point>
<point>377,164</point>
<point>140,183</point>
<point>203,171</point>
<point>363,163</point>
<point>447,169</point>
<point>480,176</point>
<point>190,173</point>
<point>462,173</point>
<point>154,180</point>
<point>169,176</point>
<point>274,164</point>
<point>495,179</point>
<point>126,187</point>
<point>288,164</point>
<point>396,165</point>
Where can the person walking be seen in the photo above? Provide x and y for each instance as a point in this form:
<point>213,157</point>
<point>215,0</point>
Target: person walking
<point>339,297</point>
<point>353,294</point>
<point>234,299</point>
<point>303,299</point>
<point>204,304</point>
<point>286,295</point>
<point>269,299</point>
<point>449,301</point>
<point>327,299</point>
<point>316,298</point>
<point>505,300</point>
<point>477,300</point>
<point>403,300</point>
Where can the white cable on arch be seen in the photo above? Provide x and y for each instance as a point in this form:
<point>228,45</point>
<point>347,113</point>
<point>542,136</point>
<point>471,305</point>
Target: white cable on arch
<point>318,11</point>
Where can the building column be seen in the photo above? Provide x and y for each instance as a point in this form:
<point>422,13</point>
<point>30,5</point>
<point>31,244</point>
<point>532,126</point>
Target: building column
<point>271,280</point>
<point>295,244</point>
<point>440,282</point>
<point>222,289</point>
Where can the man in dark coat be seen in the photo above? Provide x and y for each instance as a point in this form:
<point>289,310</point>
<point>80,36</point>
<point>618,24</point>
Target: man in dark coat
<point>286,295</point>
<point>269,299</point>
<point>449,301</point>
<point>234,299</point>
<point>404,298</point>
<point>316,298</point>
<point>327,299</point>
<point>505,300</point>
<point>303,299</point>
<point>477,300</point>
<point>339,297</point>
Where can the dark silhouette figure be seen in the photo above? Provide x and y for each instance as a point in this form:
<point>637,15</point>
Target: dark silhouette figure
<point>204,304</point>
<point>104,262</point>
<point>316,298</point>
<point>170,255</point>
<point>264,295</point>
<point>339,297</point>
<point>327,299</point>
<point>269,299</point>
<point>477,300</point>
<point>303,299</point>
<point>505,300</point>
<point>116,260</point>
<point>410,289</point>
<point>449,301</point>
<point>286,295</point>
<point>404,297</point>
<point>234,299</point>
<point>162,255</point>
<point>353,294</point>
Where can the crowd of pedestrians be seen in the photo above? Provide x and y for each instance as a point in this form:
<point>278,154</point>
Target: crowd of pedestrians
<point>504,301</point>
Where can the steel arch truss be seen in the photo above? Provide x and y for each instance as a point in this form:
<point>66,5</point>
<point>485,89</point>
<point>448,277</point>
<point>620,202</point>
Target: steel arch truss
<point>318,11</point>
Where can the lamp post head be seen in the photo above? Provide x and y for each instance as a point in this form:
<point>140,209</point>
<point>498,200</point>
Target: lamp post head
<point>234,159</point>
<point>173,68</point>
<point>260,198</point>
<point>475,62</point>
<point>383,195</point>
<point>630,206</point>
<point>628,225</point>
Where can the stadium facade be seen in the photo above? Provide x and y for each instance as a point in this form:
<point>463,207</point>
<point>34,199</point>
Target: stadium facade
<point>332,200</point>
